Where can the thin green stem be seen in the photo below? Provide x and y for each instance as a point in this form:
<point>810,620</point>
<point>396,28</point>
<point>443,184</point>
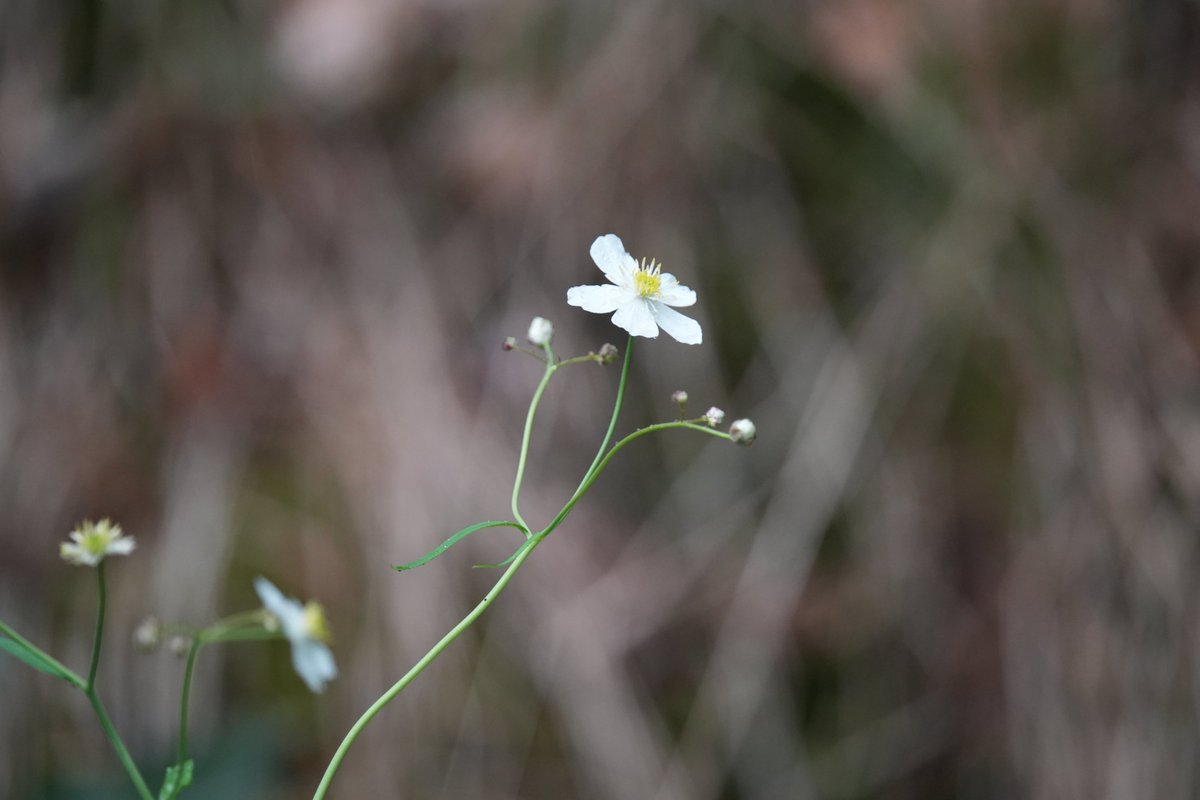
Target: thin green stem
<point>184,696</point>
<point>99,638</point>
<point>612,425</point>
<point>533,405</point>
<point>598,464</point>
<point>69,674</point>
<point>88,687</point>
<point>603,462</point>
<point>418,668</point>
<point>115,739</point>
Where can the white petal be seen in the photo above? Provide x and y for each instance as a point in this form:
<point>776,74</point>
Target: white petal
<point>121,547</point>
<point>271,597</point>
<point>684,329</point>
<point>596,299</point>
<point>313,663</point>
<point>610,256</point>
<point>289,612</point>
<point>675,294</point>
<point>637,318</point>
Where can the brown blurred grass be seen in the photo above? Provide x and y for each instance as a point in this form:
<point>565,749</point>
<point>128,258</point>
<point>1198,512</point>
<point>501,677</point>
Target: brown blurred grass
<point>257,262</point>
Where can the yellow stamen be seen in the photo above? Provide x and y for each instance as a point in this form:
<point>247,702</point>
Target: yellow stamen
<point>315,623</point>
<point>647,281</point>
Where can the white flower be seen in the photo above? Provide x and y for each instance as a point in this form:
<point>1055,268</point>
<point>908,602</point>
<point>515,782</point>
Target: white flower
<point>641,295</point>
<point>541,331</point>
<point>714,417</point>
<point>743,431</point>
<point>306,629</point>
<point>91,542</point>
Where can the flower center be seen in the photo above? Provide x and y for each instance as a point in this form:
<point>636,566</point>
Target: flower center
<point>647,281</point>
<point>315,624</point>
<point>96,541</point>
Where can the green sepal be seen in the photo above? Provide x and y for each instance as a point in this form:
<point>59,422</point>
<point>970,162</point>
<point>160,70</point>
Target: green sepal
<point>33,658</point>
<point>179,777</point>
<point>455,539</point>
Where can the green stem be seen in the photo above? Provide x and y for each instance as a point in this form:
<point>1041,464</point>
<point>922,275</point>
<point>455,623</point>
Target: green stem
<point>599,466</point>
<point>417,669</point>
<point>612,425</point>
<point>99,637</point>
<point>69,674</point>
<point>533,405</point>
<point>184,696</point>
<point>118,745</point>
<point>88,687</point>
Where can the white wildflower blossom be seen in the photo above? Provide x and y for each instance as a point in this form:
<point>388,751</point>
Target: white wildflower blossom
<point>92,542</point>
<point>714,417</point>
<point>306,629</point>
<point>541,331</point>
<point>642,295</point>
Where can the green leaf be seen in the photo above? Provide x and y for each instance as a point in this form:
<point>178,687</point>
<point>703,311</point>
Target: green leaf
<point>455,539</point>
<point>33,657</point>
<point>178,778</point>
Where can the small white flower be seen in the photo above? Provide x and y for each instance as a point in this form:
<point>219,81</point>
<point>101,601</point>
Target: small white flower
<point>91,542</point>
<point>743,431</point>
<point>714,417</point>
<point>541,331</point>
<point>306,628</point>
<point>641,295</point>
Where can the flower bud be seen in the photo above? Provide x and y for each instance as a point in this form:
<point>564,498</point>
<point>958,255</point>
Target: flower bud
<point>179,645</point>
<point>608,353</point>
<point>148,635</point>
<point>541,331</point>
<point>714,417</point>
<point>742,431</point>
<point>509,343</point>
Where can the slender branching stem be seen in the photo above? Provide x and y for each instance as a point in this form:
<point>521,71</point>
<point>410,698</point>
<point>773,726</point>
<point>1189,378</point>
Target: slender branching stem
<point>418,668</point>
<point>99,637</point>
<point>115,739</point>
<point>602,459</point>
<point>93,696</point>
<point>603,462</point>
<point>533,405</point>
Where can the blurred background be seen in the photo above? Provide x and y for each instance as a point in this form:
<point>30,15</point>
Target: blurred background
<point>256,262</point>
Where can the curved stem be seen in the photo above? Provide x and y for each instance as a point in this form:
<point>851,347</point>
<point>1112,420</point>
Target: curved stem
<point>533,405</point>
<point>612,425</point>
<point>603,462</point>
<point>122,753</point>
<point>417,669</point>
<point>99,638</point>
